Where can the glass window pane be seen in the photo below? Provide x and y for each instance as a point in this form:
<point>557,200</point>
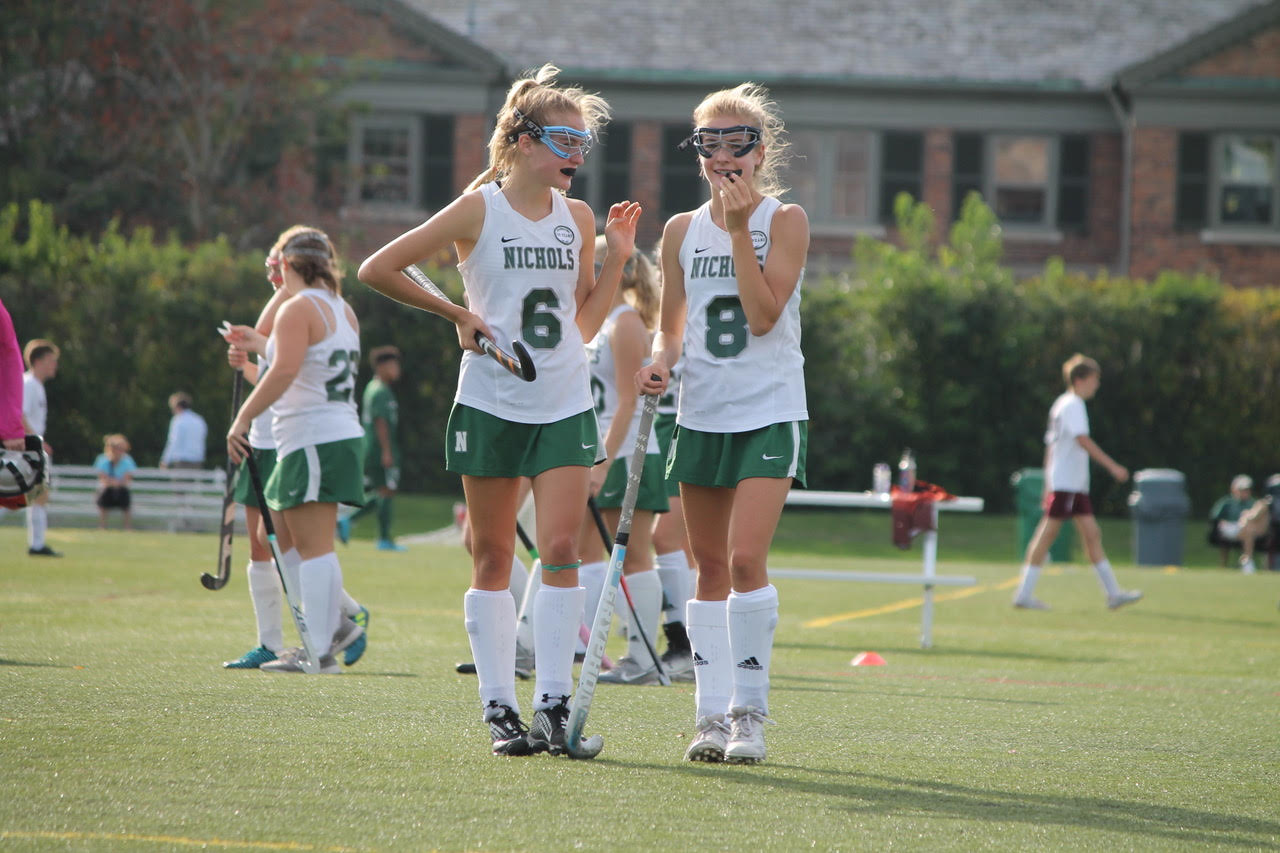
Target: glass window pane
<point>1247,180</point>
<point>385,158</point>
<point>852,175</point>
<point>802,173</point>
<point>1022,160</point>
<point>1020,204</point>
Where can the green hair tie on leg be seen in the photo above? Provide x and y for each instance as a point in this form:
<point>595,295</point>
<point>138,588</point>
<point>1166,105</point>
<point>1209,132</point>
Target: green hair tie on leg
<point>575,564</point>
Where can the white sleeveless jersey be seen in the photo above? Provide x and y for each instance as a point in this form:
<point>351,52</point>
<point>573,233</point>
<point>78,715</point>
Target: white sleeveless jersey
<point>260,437</point>
<point>319,405</point>
<point>732,380</point>
<point>604,386</point>
<point>521,279</point>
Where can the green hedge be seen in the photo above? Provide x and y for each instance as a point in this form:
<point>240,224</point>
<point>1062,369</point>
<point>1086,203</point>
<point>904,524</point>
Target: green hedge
<point>937,348</point>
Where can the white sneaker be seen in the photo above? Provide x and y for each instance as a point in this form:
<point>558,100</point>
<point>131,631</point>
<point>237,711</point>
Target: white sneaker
<point>1030,604</point>
<point>1123,598</point>
<point>291,661</point>
<point>746,735</point>
<point>708,744</point>
<point>628,670</point>
<point>348,632</point>
<point>1247,565</point>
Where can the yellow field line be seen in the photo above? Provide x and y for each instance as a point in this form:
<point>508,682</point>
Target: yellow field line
<point>172,839</point>
<point>908,603</point>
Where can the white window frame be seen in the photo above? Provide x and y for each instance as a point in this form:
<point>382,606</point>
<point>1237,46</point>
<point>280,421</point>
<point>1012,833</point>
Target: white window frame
<point>386,121</point>
<point>1047,227</point>
<point>822,221</point>
<point>1217,165</point>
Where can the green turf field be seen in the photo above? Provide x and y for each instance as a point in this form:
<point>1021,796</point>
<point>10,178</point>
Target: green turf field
<point>1152,728</point>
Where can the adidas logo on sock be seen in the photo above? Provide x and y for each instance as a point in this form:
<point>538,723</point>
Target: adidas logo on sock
<point>699,660</point>
<point>750,663</point>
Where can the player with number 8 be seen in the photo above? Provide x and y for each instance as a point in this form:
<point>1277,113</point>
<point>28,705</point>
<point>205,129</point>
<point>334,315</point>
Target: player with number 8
<point>731,316</point>
<point>527,258</point>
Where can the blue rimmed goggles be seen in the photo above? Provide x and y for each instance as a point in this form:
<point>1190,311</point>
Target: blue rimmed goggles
<point>738,140</point>
<point>563,141</point>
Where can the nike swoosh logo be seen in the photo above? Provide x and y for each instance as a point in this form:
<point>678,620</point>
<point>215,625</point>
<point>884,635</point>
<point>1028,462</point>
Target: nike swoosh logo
<point>294,493</point>
<point>768,458</point>
<point>509,239</point>
<point>610,494</point>
<point>700,251</point>
<point>587,446</point>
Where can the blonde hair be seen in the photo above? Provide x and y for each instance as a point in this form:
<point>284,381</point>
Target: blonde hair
<point>639,283</point>
<point>536,96</point>
<point>751,101</point>
<point>310,253</point>
<point>38,348</point>
<point>115,439</point>
<point>1079,367</point>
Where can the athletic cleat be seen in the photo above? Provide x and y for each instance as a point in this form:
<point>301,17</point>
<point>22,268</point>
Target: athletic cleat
<point>251,659</point>
<point>355,651</point>
<point>43,551</point>
<point>1030,604</point>
<point>746,735</point>
<point>1115,602</point>
<point>708,745</point>
<point>547,732</point>
<point>345,637</point>
<point>677,660</point>
<point>1247,565</point>
<point>344,531</point>
<point>290,661</point>
<point>628,670</point>
<point>390,545</point>
<point>510,735</point>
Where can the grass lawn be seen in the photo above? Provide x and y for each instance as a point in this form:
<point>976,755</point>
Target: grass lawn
<point>1152,727</point>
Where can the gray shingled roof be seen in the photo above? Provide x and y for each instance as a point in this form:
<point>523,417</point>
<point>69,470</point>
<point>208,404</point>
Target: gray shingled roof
<point>1030,42</point>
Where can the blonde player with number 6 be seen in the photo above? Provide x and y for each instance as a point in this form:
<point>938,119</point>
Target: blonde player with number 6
<point>731,316</point>
<point>526,254</point>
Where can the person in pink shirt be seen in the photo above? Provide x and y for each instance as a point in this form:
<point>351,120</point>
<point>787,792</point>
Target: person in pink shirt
<point>11,431</point>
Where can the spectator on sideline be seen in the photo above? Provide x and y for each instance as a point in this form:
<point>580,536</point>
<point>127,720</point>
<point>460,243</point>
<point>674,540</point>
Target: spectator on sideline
<point>115,473</point>
<point>1240,520</point>
<point>184,448</point>
<point>41,357</point>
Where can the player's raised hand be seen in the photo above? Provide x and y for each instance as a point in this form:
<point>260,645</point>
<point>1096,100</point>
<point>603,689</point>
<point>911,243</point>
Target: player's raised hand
<point>620,227</point>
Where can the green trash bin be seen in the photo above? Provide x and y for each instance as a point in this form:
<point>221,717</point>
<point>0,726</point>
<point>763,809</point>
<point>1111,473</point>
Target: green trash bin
<point>1160,506</point>
<point>1028,496</point>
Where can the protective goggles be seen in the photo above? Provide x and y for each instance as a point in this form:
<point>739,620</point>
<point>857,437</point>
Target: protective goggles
<point>563,141</point>
<point>737,140</point>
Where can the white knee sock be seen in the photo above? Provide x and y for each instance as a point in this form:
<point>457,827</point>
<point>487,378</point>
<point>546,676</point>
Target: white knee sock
<point>321,579</point>
<point>591,578</point>
<point>1107,578</point>
<point>753,616</point>
<point>1027,587</point>
<point>708,626</point>
<point>290,563</point>
<point>490,617</point>
<point>265,592</point>
<point>559,611</point>
<point>646,595</point>
<point>37,524</point>
<point>673,569</point>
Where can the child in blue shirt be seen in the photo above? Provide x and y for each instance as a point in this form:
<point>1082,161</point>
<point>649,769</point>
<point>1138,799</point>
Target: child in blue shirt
<point>115,472</point>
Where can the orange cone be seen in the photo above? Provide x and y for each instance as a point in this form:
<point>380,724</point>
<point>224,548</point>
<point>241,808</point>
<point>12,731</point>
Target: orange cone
<point>867,659</point>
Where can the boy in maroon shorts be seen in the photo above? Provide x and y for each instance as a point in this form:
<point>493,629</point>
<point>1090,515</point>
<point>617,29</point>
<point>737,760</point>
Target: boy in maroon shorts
<point>1068,449</point>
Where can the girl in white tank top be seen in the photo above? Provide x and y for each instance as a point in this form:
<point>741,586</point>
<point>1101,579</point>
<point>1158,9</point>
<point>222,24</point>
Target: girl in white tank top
<point>526,254</point>
<point>730,315</point>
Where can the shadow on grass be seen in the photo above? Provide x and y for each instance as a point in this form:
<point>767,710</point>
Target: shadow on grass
<point>781,683</point>
<point>919,653</point>
<point>1156,615</point>
<point>7,662</point>
<point>888,795</point>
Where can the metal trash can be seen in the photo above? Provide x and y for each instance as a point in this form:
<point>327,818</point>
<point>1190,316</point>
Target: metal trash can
<point>1159,506</point>
<point>1028,498</point>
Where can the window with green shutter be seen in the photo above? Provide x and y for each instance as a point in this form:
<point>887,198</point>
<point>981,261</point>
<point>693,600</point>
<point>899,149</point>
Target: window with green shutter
<point>1191,208</point>
<point>968,171</point>
<point>901,169</point>
<point>1073,183</point>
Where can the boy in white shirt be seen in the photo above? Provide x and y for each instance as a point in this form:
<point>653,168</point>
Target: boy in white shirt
<point>41,358</point>
<point>1068,449</point>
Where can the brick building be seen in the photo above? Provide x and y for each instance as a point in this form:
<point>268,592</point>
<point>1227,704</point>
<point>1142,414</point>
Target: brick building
<point>1134,135</point>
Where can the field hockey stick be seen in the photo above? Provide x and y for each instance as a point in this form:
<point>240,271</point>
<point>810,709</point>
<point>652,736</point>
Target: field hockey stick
<point>521,364</point>
<point>312,662</point>
<point>583,634</point>
<point>663,678</point>
<point>590,674</point>
<point>218,581</point>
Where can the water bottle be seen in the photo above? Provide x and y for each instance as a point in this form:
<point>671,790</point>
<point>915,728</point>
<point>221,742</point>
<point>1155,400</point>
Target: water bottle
<point>880,478</point>
<point>907,471</point>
